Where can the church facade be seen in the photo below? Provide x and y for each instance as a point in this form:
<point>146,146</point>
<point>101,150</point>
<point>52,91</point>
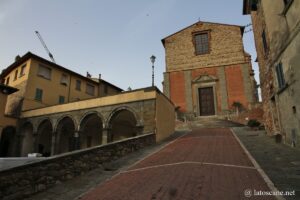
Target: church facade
<point>208,71</point>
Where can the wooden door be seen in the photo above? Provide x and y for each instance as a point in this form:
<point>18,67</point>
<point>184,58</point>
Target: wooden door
<point>206,101</point>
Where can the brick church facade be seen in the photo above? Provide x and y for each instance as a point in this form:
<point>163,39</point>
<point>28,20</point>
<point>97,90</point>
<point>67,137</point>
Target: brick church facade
<point>207,69</point>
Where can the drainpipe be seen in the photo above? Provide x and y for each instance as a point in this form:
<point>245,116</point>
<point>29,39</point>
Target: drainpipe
<point>99,86</point>
<point>69,89</point>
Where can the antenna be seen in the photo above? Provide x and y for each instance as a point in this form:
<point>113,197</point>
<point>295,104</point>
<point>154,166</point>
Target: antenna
<point>45,46</point>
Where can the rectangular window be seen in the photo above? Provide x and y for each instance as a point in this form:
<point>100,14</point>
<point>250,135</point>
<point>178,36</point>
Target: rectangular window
<point>44,72</point>
<point>280,75</point>
<point>16,75</point>
<point>90,89</point>
<point>105,89</point>
<point>38,94</point>
<point>22,73</point>
<point>201,43</point>
<point>64,79</point>
<point>287,5</point>
<point>287,2</point>
<point>7,80</point>
<point>61,99</point>
<point>264,40</point>
<point>78,85</point>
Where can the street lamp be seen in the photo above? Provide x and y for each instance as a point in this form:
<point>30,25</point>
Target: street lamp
<point>152,58</point>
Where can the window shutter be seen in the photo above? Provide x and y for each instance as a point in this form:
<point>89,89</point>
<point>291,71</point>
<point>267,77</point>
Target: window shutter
<point>44,71</point>
<point>64,79</point>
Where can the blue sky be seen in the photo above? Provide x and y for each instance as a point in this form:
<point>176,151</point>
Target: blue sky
<point>113,37</point>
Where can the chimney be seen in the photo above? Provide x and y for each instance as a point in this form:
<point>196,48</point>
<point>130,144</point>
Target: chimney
<point>88,75</point>
<point>17,58</point>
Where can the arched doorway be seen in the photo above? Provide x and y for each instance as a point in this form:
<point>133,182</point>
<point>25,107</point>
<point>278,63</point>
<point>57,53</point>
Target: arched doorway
<point>7,141</point>
<point>91,131</point>
<point>44,140</point>
<point>122,125</point>
<point>65,135</point>
<point>28,138</point>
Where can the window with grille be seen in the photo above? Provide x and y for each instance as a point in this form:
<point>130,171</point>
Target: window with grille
<point>38,94</point>
<point>90,89</point>
<point>280,75</point>
<point>44,72</point>
<point>201,43</point>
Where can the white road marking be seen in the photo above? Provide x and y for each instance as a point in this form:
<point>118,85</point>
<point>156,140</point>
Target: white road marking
<point>187,162</point>
<point>258,168</point>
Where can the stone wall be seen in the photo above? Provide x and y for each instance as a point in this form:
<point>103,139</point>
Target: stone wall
<point>23,181</point>
<point>226,47</point>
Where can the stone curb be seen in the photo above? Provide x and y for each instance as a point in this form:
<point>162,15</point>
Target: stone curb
<point>257,166</point>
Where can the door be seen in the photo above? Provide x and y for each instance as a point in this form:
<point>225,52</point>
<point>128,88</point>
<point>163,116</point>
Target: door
<point>206,101</point>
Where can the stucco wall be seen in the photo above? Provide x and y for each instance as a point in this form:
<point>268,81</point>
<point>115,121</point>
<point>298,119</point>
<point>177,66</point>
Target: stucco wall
<point>110,89</point>
<point>281,105</point>
<point>92,103</point>
<point>165,117</point>
<point>4,120</point>
<point>289,98</point>
<point>16,100</point>
<point>51,96</point>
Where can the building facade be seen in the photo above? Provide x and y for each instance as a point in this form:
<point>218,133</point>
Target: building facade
<point>7,124</point>
<point>58,110</point>
<point>207,69</point>
<point>277,39</point>
<point>42,83</point>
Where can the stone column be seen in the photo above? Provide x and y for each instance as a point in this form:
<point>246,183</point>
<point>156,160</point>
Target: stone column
<point>35,142</point>
<point>223,89</point>
<point>76,140</point>
<point>188,92</point>
<point>139,130</point>
<point>247,83</point>
<point>105,136</point>
<point>53,144</point>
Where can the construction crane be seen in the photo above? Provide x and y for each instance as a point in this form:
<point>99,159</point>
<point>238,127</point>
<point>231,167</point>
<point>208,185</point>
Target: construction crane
<point>45,46</point>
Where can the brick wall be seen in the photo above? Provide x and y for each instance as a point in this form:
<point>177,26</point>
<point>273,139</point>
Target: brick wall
<point>177,89</point>
<point>235,86</point>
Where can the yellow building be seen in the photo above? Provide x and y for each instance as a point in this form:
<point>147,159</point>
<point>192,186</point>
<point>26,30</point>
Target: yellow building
<point>42,83</point>
<point>59,111</point>
<point>7,124</point>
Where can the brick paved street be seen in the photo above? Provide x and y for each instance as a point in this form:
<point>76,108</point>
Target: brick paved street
<point>207,163</point>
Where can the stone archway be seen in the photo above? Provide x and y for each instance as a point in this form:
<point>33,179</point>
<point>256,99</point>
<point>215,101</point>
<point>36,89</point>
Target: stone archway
<point>91,128</point>
<point>44,138</point>
<point>122,124</point>
<point>64,139</point>
<point>7,141</point>
<point>27,140</point>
